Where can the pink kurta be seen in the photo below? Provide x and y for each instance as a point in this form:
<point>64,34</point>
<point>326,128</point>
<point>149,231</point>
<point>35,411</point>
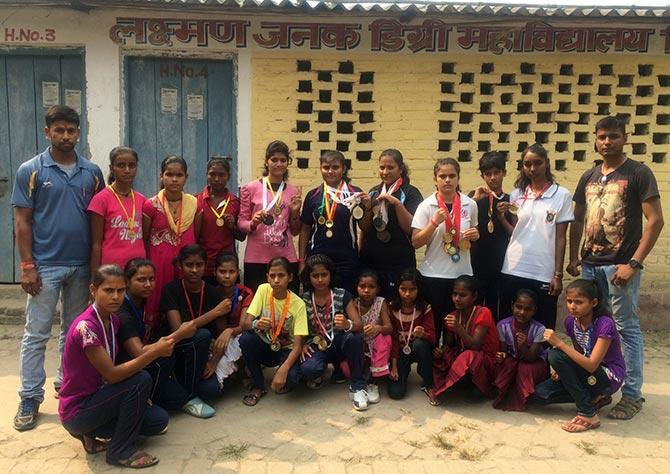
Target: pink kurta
<point>163,249</point>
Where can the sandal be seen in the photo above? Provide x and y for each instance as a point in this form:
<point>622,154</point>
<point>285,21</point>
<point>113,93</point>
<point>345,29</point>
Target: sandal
<point>626,409</point>
<point>252,398</point>
<point>139,460</point>
<point>579,424</point>
<point>432,399</point>
<point>602,401</point>
<point>92,445</point>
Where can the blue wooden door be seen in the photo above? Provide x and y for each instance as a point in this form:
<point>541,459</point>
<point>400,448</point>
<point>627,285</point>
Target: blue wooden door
<point>179,107</point>
<point>30,82</point>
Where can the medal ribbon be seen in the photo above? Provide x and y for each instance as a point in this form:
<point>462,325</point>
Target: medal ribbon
<point>223,203</point>
<point>330,308</point>
<point>129,219</point>
<point>383,211</point>
<point>276,196</point>
<point>112,353</point>
<point>188,299</point>
<point>168,214</point>
<point>411,325</point>
<point>330,205</point>
<point>537,196</point>
<point>284,313</point>
<point>498,198</point>
<point>452,219</point>
<point>467,323</point>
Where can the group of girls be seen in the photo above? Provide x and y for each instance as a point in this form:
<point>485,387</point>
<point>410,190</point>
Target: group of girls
<point>179,311</point>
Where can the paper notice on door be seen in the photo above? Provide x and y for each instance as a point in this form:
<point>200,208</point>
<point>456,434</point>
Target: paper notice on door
<point>195,107</point>
<point>73,99</point>
<point>50,94</point>
<point>169,100</point>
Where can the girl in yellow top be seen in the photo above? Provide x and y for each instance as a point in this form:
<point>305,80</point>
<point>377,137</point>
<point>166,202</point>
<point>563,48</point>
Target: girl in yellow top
<point>275,325</point>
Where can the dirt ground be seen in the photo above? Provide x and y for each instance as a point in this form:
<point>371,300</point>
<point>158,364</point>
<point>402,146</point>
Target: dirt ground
<point>306,431</point>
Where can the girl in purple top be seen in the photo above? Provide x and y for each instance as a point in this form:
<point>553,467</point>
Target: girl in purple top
<point>592,369</point>
<point>99,398</point>
<point>270,216</point>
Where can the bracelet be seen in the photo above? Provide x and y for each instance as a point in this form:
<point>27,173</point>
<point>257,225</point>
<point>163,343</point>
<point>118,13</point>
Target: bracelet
<point>28,265</point>
<point>558,274</point>
<point>434,224</point>
<point>351,325</point>
<point>254,323</point>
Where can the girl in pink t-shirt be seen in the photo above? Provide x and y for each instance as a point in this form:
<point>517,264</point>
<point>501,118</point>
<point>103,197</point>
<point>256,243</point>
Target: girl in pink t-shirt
<point>100,399</point>
<point>116,214</point>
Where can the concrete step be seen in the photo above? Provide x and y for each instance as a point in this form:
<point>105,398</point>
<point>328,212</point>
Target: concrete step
<point>11,291</point>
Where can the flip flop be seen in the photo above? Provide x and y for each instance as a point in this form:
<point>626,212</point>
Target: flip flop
<point>139,460</point>
<point>251,398</point>
<point>432,399</point>
<point>92,445</point>
<point>579,425</point>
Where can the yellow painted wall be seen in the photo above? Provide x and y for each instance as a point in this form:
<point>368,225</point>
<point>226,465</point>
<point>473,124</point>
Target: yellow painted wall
<point>419,101</point>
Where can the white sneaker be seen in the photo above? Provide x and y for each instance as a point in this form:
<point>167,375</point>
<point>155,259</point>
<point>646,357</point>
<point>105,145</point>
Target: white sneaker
<point>360,398</point>
<point>373,393</point>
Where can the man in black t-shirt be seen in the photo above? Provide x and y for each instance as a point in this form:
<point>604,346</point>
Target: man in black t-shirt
<point>610,201</point>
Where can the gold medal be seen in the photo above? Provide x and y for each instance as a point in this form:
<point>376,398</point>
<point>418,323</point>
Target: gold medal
<point>275,346</point>
<point>329,223</point>
<point>591,380</point>
<point>490,227</point>
<point>357,212</point>
<point>322,345</point>
<point>452,250</point>
<point>277,210</point>
<point>321,220</point>
<point>513,208</point>
<point>329,234</point>
<point>447,238</point>
<point>316,340</point>
<point>219,222</point>
<point>464,244</point>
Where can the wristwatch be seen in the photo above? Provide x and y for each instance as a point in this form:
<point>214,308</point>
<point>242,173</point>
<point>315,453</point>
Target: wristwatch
<point>635,264</point>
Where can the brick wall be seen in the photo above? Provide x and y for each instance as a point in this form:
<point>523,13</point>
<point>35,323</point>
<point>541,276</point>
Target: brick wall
<point>459,106</point>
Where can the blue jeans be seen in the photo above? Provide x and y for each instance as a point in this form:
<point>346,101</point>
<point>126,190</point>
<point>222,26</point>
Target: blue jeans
<point>120,410</point>
<point>572,385</point>
<point>346,345</point>
<point>622,301</point>
<point>71,285</point>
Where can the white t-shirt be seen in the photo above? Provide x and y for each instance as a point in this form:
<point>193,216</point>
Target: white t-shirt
<point>438,263</point>
<point>532,248</point>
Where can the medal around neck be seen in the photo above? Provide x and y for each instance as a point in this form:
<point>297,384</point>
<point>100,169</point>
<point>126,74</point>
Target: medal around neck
<point>407,350</point>
<point>268,219</point>
<point>219,222</point>
<point>357,212</point>
<point>384,236</point>
<point>379,223</point>
<point>490,227</point>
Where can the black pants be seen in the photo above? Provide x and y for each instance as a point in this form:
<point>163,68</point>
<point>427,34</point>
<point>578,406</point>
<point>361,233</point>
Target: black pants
<point>190,357</point>
<point>166,392</point>
<point>546,308</point>
<point>437,292</point>
<point>257,353</point>
<point>422,354</point>
<point>489,291</point>
<point>573,385</point>
<point>255,274</point>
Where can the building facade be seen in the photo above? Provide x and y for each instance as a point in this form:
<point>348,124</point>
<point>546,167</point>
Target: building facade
<point>199,78</point>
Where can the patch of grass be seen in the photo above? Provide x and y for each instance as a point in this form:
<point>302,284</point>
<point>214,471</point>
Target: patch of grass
<point>413,443</point>
<point>470,454</point>
<point>362,420</point>
<point>234,451</point>
<point>442,442</point>
<point>588,448</point>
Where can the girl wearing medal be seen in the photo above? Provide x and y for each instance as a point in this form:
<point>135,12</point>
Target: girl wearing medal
<point>446,223</point>
<point>591,369</point>
<point>470,344</point>
<point>191,299</point>
<point>100,398</point>
<point>219,208</point>
<point>168,223</point>
<point>329,216</point>
<point>275,327</point>
<point>522,360</point>
<point>386,231</point>
<point>335,329</point>
<point>225,353</point>
<point>116,214</point>
<point>377,330</point>
<point>270,216</point>
<point>534,256</point>
<point>413,337</point>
